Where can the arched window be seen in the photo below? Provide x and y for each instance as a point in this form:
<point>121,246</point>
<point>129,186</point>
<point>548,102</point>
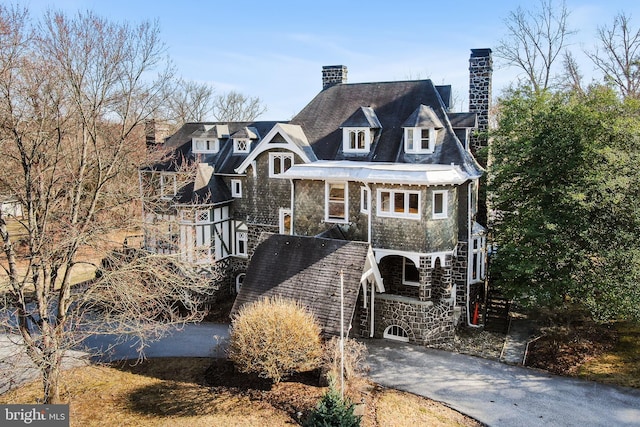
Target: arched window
<point>239,280</point>
<point>397,333</point>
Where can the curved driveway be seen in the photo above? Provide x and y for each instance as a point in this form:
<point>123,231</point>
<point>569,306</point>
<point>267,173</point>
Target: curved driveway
<point>498,394</point>
<point>491,392</point>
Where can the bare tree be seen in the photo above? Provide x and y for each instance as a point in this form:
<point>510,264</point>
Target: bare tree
<point>572,78</point>
<point>618,56</point>
<point>74,94</point>
<point>534,40</point>
<point>236,107</point>
<point>189,101</point>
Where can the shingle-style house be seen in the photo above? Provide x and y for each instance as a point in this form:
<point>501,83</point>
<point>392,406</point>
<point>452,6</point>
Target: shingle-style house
<point>385,166</point>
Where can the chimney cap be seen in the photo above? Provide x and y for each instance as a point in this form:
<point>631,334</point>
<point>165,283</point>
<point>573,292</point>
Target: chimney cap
<point>480,53</point>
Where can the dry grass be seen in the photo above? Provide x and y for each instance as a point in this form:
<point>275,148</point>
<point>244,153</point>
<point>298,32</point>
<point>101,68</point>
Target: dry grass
<point>172,392</point>
<point>88,257</point>
<point>621,365</point>
<point>396,409</point>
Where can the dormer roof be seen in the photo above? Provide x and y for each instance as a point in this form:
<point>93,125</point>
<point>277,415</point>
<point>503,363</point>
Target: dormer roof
<point>363,117</point>
<point>463,120</point>
<point>212,131</point>
<point>423,117</point>
<point>246,133</point>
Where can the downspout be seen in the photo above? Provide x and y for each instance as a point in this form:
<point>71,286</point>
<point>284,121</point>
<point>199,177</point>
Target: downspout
<point>373,292</point>
<point>292,203</point>
<point>144,228</point>
<point>469,248</point>
<point>370,213</point>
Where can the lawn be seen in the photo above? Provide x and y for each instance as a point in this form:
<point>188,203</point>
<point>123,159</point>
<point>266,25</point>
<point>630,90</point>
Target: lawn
<point>621,364</point>
<point>179,392</point>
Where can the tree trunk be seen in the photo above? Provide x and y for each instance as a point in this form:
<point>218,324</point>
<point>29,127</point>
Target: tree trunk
<point>51,381</point>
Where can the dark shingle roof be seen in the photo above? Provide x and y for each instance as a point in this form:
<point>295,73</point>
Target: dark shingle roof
<point>425,117</point>
<point>225,160</point>
<point>393,103</point>
<point>215,192</point>
<point>363,117</point>
<point>306,269</point>
<point>463,120</point>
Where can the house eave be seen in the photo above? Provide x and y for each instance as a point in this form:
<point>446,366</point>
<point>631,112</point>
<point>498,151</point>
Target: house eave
<point>372,172</point>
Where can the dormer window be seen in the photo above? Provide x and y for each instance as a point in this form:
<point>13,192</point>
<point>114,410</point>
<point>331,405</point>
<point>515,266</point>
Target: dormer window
<point>358,131</point>
<point>356,140</point>
<point>421,130</point>
<point>241,145</point>
<point>419,140</point>
<point>201,145</point>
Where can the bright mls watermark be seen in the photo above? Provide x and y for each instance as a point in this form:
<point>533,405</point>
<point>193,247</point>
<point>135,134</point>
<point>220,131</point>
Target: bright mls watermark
<point>34,415</point>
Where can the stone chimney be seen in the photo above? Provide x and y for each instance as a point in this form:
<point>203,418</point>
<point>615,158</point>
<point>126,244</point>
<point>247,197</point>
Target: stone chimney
<point>155,131</point>
<point>333,75</point>
<point>480,75</point>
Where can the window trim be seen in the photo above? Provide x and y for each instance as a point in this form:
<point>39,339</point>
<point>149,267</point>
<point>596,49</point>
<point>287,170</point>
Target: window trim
<point>445,204</point>
<point>168,179</point>
<point>236,188</point>
<point>392,213</point>
<point>477,259</point>
<point>327,190</point>
<point>242,236</point>
<point>365,200</point>
<point>413,135</point>
<point>209,150</point>
<point>346,139</point>
<point>236,145</point>
<point>279,156</point>
<point>404,337</point>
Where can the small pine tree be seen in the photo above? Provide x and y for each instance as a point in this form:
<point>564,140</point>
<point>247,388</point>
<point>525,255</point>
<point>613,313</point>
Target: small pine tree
<point>333,411</point>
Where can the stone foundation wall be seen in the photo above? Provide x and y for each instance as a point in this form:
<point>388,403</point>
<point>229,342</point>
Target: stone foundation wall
<point>426,323</point>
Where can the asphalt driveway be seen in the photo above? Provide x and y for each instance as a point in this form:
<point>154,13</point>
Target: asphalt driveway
<point>491,392</point>
<point>498,394</point>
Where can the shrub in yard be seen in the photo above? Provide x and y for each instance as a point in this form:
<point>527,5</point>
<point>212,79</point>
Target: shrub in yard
<point>274,338</point>
<point>355,359</point>
<point>333,411</point>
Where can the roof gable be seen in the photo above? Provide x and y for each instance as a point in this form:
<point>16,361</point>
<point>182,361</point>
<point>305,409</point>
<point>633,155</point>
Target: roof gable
<point>423,117</point>
<point>283,136</point>
<point>364,117</point>
<point>307,269</point>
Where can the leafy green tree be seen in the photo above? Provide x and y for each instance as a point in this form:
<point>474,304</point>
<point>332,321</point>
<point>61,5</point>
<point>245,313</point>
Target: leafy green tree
<point>564,178</point>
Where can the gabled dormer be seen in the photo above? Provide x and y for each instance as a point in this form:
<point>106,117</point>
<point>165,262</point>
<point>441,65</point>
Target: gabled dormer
<point>421,131</point>
<point>243,138</point>
<point>207,140</point>
<point>359,130</point>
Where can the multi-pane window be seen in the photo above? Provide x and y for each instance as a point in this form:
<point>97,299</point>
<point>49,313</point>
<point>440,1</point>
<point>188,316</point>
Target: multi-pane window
<point>205,145</point>
<point>168,185</point>
<point>356,140</point>
<point>241,243</point>
<point>440,204</point>
<point>241,145</point>
<point>396,332</point>
<point>279,163</point>
<point>477,259</point>
<point>336,202</point>
<point>399,203</point>
<point>419,140</point>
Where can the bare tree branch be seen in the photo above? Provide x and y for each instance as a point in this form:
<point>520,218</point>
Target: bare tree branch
<point>534,40</point>
<point>618,56</point>
<point>236,107</point>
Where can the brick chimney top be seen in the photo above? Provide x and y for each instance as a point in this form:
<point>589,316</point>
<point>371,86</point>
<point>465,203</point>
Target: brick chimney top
<point>333,75</point>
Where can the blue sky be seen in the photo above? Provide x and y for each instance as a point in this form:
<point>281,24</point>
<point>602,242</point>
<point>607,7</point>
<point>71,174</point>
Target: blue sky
<point>276,49</point>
